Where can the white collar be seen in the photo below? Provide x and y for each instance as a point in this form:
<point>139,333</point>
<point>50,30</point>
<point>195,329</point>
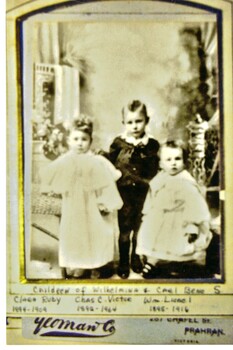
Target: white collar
<point>130,139</point>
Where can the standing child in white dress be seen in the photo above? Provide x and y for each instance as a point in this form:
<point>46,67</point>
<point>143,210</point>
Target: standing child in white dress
<point>90,200</point>
<point>175,224</point>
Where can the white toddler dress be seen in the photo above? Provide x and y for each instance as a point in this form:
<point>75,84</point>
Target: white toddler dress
<point>86,237</point>
<point>174,209</point>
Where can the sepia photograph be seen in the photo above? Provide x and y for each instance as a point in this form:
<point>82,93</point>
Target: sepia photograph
<point>122,146</point>
<point>119,172</point>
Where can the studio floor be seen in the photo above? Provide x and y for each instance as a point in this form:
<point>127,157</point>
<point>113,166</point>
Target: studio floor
<point>42,259</point>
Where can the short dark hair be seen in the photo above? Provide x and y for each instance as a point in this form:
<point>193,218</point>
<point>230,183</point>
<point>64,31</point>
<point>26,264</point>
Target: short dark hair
<point>136,106</point>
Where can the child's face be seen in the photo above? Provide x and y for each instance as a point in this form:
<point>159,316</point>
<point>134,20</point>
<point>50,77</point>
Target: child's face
<point>171,160</point>
<point>79,141</point>
<point>135,124</point>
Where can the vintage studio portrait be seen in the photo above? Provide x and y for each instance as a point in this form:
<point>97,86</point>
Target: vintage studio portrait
<point>122,150</point>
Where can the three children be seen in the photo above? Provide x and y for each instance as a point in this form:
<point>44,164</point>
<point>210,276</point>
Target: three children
<point>165,213</point>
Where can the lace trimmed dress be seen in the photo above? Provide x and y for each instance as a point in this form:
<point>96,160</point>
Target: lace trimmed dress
<point>85,181</point>
<point>175,224</point>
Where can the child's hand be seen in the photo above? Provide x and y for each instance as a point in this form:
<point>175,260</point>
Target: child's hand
<point>192,231</point>
<point>103,210</point>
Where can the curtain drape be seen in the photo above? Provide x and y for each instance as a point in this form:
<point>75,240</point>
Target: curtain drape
<point>209,39</point>
<point>66,103</point>
<point>48,48</point>
<point>66,78</point>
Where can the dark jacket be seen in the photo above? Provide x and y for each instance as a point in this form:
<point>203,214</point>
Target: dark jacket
<point>138,164</point>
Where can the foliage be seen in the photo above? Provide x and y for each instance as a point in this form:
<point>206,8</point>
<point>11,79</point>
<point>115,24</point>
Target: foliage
<point>53,135</point>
